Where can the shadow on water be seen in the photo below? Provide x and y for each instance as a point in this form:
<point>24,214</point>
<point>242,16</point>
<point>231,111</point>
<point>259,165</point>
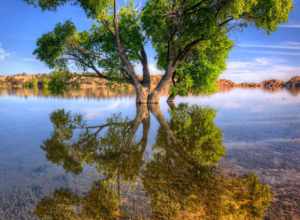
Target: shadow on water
<point>179,179</point>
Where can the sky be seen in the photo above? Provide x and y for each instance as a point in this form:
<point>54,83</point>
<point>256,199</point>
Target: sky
<point>256,55</point>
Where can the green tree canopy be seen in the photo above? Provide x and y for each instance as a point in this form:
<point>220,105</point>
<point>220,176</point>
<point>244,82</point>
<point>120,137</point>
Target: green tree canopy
<point>190,39</point>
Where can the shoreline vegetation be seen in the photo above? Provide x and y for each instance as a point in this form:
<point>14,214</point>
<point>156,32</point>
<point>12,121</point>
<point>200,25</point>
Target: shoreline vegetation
<point>75,85</point>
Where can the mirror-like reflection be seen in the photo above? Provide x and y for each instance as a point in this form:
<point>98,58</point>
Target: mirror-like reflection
<point>174,174</point>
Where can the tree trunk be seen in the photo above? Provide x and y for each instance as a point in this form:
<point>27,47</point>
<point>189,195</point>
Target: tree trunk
<point>172,105</point>
<point>155,110</point>
<point>165,81</point>
<point>171,98</point>
<point>154,98</point>
<point>142,112</point>
<point>142,95</point>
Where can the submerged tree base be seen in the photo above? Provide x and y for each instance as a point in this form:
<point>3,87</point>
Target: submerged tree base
<point>153,98</point>
<point>144,97</point>
<point>171,99</point>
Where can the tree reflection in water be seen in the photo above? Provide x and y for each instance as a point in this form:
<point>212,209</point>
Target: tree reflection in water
<point>182,179</point>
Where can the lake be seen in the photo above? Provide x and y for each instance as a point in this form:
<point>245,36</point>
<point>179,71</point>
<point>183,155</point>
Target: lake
<point>231,155</point>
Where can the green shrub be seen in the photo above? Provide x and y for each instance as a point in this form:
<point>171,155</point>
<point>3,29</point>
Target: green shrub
<point>28,85</point>
<point>33,84</point>
<point>45,82</point>
<point>59,82</point>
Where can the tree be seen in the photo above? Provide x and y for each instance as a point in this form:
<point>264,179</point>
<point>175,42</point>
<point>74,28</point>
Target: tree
<point>181,180</point>
<point>178,30</point>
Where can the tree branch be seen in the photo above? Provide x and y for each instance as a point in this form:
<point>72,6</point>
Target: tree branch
<point>121,50</point>
<point>89,64</point>
<point>146,72</point>
<point>226,21</point>
<point>182,54</point>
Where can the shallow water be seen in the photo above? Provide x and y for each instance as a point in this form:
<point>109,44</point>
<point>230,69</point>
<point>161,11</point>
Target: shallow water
<point>231,155</point>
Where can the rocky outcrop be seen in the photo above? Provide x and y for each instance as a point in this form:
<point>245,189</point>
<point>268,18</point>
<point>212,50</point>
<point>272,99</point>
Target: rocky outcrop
<point>273,84</point>
<point>249,85</point>
<point>293,83</point>
<point>225,85</point>
<point>20,80</point>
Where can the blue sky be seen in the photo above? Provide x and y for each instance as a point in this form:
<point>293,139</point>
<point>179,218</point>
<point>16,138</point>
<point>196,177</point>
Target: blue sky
<point>255,57</point>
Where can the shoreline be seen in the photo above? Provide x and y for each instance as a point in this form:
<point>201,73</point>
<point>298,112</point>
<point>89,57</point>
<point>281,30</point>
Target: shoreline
<point>270,84</point>
<point>105,88</point>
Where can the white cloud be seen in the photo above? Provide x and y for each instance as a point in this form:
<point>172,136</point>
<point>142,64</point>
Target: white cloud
<point>95,112</point>
<point>290,26</point>
<point>259,69</point>
<point>263,61</point>
<point>30,60</point>
<point>244,98</point>
<point>154,70</point>
<point>3,53</point>
<point>281,53</point>
<point>295,43</point>
<point>290,45</point>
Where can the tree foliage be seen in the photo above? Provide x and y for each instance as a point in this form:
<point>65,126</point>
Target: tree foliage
<point>100,203</point>
<point>112,147</point>
<point>200,72</point>
<point>191,135</point>
<point>190,38</point>
<point>181,179</point>
<point>61,81</point>
<point>188,149</point>
<point>206,194</point>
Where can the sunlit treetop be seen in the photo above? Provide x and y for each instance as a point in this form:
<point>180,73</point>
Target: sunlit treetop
<point>264,13</point>
<point>187,23</point>
<point>90,6</point>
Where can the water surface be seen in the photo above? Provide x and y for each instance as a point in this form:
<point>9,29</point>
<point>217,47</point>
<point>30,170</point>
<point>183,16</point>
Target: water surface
<point>231,155</point>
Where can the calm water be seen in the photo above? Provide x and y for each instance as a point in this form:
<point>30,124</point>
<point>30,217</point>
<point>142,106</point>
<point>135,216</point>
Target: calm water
<point>232,155</point>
